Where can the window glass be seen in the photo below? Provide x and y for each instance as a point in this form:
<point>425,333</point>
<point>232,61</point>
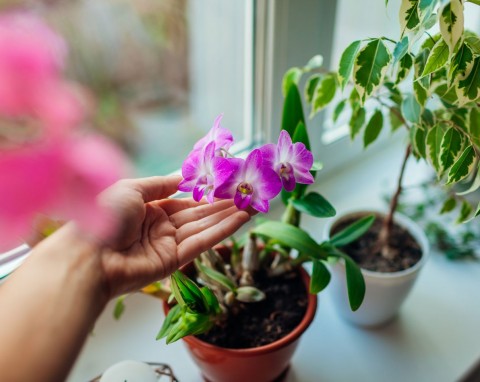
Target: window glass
<point>161,71</point>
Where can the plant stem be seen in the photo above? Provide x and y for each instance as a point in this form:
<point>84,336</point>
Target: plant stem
<point>384,235</point>
<point>291,215</point>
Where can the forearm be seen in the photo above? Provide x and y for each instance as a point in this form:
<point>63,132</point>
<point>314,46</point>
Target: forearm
<point>48,307</point>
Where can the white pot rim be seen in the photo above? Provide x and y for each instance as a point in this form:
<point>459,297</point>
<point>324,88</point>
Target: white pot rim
<point>400,219</point>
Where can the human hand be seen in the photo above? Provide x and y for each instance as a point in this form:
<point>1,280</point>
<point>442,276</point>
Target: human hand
<point>157,235</point>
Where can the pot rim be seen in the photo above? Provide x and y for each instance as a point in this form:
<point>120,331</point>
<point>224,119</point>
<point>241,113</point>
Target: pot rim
<point>282,342</point>
<point>400,219</point>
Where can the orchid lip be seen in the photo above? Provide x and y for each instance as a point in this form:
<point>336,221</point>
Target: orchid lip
<point>245,188</point>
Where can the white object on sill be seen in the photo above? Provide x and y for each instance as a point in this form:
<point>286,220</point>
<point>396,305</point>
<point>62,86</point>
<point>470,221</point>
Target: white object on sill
<point>131,371</point>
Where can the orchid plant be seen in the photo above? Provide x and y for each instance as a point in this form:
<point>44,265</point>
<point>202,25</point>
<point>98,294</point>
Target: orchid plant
<point>210,171</point>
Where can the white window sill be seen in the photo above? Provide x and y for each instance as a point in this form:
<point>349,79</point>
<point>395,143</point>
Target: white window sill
<point>431,340</point>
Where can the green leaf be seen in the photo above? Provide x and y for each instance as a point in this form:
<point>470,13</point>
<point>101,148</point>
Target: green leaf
<point>400,50</point>
<point>465,212</point>
<point>474,126</point>
<point>338,109</point>
<point>448,205</point>
<point>411,109</point>
<point>317,166</point>
<point>434,141</point>
<point>425,5</point>
<point>355,283</point>
<point>473,43</point>
<point>451,23</point>
<point>346,62</point>
<point>469,88</point>
<point>324,93</point>
<point>463,166</point>
<point>187,293</point>
<point>212,301</point>
<point>450,147</point>
<point>315,62</point>
<point>477,211</point>
<point>352,232</point>
<point>291,77</point>
<point>289,236</point>
<point>395,121</point>
<point>310,87</point>
<point>292,110</point>
<point>356,121</point>
<point>119,307</point>
<point>420,93</point>
<point>173,315</point>
<point>314,204</point>
<point>437,58</point>
<point>370,67</point>
<point>320,277</point>
<point>462,63</point>
<point>301,135</point>
<point>374,126</point>
<point>405,65</point>
<point>474,186</point>
<point>419,142</point>
<point>216,276</point>
<point>408,15</point>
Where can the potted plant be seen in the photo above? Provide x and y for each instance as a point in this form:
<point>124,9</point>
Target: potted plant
<point>243,315</point>
<point>427,84</point>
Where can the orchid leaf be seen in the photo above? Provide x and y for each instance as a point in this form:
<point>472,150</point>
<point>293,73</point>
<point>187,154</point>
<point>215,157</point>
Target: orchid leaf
<point>173,315</point>
<point>187,293</point>
<point>119,307</point>
<point>216,276</point>
<point>320,277</point>
<point>289,236</point>
<point>352,232</point>
<point>355,283</point>
<point>292,110</point>
<point>314,204</point>
<point>291,77</point>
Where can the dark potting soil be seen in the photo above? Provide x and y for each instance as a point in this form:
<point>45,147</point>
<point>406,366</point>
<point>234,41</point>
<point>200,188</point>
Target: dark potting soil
<point>404,250</point>
<point>260,323</point>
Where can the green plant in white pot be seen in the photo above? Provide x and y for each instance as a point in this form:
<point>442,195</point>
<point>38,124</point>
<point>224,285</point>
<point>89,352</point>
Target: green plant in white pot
<point>426,83</point>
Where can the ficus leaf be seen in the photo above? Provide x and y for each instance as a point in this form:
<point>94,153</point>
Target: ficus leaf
<point>320,277</point>
<point>324,93</point>
<point>465,212</point>
<point>420,93</point>
<point>315,62</point>
<point>468,89</point>
<point>462,166</point>
<point>448,205</point>
<point>404,67</point>
<point>408,15</point>
<point>411,109</point>
<point>314,204</point>
<point>338,110</point>
<point>352,232</point>
<point>474,186</point>
<point>462,63</point>
<point>437,58</point>
<point>357,121</point>
<point>419,142</point>
<point>401,49</point>
<point>346,62</point>
<point>450,147</point>
<point>370,67</point>
<point>434,141</point>
<point>310,87</point>
<point>474,126</point>
<point>451,23</point>
<point>374,126</point>
<point>395,121</point>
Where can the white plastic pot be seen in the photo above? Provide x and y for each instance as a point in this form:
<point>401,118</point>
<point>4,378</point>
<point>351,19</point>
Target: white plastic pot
<point>385,292</point>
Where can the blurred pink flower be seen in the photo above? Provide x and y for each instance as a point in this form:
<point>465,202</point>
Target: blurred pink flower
<point>32,57</point>
<point>60,178</point>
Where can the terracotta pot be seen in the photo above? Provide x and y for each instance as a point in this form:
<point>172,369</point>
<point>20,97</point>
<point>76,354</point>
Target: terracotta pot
<point>385,292</point>
<point>261,364</point>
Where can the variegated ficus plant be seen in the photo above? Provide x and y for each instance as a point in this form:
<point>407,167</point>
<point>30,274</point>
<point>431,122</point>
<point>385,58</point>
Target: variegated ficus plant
<point>425,82</point>
<point>274,247</point>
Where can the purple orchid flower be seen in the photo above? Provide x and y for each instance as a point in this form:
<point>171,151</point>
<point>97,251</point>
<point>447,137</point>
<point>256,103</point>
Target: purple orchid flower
<point>203,172</point>
<point>221,136</point>
<point>252,183</point>
<point>291,161</point>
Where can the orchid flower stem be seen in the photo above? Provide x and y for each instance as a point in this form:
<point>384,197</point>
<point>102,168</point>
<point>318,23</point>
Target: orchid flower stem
<point>291,215</point>
<point>227,153</point>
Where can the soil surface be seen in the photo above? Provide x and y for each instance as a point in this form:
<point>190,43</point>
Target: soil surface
<point>403,249</point>
<point>260,323</point>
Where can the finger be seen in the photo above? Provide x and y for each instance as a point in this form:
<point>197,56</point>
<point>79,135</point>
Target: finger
<point>193,227</point>
<point>156,187</point>
<point>172,206</point>
<point>192,246</point>
<point>198,212</point>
